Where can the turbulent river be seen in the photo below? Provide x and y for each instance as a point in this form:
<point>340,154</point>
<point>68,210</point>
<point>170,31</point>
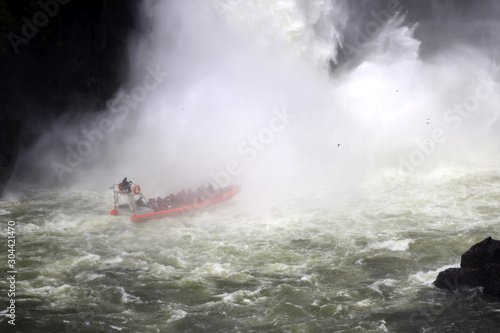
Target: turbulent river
<point>367,135</point>
<point>360,262</point>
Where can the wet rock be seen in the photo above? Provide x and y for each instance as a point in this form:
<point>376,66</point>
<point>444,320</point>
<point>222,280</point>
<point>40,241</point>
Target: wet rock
<point>9,149</point>
<point>479,267</point>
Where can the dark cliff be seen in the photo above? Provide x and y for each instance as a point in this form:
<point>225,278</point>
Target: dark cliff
<point>55,53</point>
<point>58,57</point>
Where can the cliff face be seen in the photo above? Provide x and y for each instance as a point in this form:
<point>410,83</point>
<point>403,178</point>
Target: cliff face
<point>57,57</point>
<point>60,53</point>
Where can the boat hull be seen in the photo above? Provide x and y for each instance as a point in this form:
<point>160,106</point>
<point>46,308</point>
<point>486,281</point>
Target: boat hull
<point>186,209</point>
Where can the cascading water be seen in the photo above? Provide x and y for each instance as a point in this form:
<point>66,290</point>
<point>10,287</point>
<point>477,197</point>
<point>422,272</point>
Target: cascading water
<point>369,162</point>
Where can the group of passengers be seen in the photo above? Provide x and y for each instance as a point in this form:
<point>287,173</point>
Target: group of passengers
<point>183,198</point>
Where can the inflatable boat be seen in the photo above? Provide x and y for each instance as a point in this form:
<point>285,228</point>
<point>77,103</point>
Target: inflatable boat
<point>130,201</point>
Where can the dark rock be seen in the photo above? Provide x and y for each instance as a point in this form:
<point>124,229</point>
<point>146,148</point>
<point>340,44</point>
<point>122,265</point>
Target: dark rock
<point>9,149</point>
<point>64,68</point>
<point>479,267</point>
<point>73,63</point>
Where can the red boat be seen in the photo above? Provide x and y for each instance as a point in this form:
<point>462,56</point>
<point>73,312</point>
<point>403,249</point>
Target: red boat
<point>142,209</point>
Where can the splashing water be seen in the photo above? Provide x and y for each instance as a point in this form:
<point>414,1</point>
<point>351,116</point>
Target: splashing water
<point>367,167</point>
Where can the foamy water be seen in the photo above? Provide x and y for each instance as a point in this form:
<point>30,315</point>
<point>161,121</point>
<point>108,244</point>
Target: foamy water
<point>363,265</point>
<point>361,181</point>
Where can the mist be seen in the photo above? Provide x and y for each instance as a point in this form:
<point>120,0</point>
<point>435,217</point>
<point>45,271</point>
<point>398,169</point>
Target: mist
<point>289,97</point>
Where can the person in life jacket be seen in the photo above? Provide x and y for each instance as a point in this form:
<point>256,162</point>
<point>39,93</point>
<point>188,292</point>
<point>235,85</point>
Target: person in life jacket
<point>126,185</point>
<point>140,202</point>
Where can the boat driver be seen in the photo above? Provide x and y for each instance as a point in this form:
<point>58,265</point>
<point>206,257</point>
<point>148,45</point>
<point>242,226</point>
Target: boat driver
<point>126,185</point>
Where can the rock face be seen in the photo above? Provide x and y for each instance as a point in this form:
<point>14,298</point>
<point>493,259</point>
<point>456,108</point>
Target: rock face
<point>479,267</point>
<point>9,149</point>
<point>58,59</point>
<point>72,61</point>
